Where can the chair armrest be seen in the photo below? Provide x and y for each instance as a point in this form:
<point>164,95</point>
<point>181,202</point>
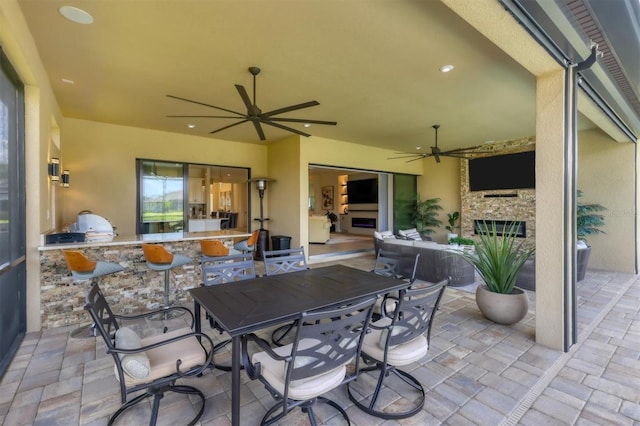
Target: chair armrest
<point>253,371</point>
<point>383,310</point>
<point>156,312</point>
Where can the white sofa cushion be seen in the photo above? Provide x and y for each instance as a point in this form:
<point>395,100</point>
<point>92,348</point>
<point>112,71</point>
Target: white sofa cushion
<point>412,234</point>
<point>383,235</point>
<point>430,244</point>
<point>399,242</point>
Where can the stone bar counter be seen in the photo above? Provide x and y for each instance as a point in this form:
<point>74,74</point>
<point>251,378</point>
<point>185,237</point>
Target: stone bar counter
<point>135,289</point>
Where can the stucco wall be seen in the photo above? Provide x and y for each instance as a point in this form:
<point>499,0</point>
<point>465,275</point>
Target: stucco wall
<point>101,158</point>
<point>606,176</point>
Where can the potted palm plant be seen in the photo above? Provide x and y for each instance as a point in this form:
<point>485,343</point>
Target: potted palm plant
<point>589,220</point>
<point>333,218</point>
<point>452,218</point>
<point>498,258</point>
<point>425,215</point>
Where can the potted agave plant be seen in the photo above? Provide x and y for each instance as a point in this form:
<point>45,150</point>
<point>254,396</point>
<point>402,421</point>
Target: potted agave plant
<point>498,258</point>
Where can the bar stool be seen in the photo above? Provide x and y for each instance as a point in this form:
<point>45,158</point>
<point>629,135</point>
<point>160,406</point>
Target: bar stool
<point>159,259</point>
<point>83,269</point>
<point>248,245</point>
<point>214,248</point>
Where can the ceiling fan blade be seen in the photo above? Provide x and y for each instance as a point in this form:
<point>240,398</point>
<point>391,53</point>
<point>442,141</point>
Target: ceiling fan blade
<point>288,129</point>
<point>292,108</point>
<point>471,150</point>
<point>407,156</point>
<point>230,125</point>
<point>302,120</point>
<point>207,105</point>
<point>203,116</point>
<point>437,157</point>
<point>258,127</point>
<point>245,98</point>
<point>416,159</point>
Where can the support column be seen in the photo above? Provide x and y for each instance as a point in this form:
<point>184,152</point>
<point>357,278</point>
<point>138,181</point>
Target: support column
<point>555,175</point>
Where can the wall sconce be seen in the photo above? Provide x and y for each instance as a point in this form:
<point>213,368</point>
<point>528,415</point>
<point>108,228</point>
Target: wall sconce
<point>65,178</point>
<point>54,169</point>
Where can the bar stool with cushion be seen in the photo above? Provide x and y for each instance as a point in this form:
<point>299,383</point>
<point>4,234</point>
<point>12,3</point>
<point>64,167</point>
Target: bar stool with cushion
<point>215,248</point>
<point>84,269</point>
<point>159,259</point>
<point>248,245</point>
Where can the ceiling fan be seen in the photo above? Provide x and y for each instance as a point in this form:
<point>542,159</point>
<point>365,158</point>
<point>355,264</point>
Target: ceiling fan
<point>436,152</point>
<point>255,114</point>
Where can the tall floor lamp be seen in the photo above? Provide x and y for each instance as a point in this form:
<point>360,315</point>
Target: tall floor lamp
<point>263,236</point>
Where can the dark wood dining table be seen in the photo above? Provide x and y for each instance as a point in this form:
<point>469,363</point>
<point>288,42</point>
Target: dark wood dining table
<point>247,306</point>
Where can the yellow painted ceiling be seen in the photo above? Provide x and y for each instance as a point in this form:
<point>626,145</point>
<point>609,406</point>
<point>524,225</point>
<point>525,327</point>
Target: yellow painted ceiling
<point>373,65</point>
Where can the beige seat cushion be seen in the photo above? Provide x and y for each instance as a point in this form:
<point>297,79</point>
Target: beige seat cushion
<point>135,365</point>
<point>398,355</point>
<point>274,372</point>
<point>163,359</point>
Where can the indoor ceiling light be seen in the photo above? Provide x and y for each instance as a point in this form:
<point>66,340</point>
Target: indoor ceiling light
<point>76,15</point>
<point>67,81</point>
<point>446,68</point>
<point>307,125</point>
<point>191,126</point>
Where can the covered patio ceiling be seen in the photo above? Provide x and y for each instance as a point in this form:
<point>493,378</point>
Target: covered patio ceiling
<point>374,67</point>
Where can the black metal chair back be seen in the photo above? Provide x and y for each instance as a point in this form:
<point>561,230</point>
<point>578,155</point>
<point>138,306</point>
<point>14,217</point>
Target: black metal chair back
<point>284,261</point>
<point>414,314</point>
<point>397,265</point>
<point>224,269</point>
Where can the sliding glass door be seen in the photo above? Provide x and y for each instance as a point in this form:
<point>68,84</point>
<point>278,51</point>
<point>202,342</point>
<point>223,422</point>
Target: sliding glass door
<point>405,189</point>
<point>161,189</point>
<point>13,308</point>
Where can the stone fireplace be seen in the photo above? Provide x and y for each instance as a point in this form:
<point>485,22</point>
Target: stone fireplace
<point>501,206</point>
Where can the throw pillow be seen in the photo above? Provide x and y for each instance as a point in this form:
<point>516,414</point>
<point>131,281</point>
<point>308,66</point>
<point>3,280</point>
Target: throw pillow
<point>412,234</point>
<point>382,235</point>
<point>135,365</point>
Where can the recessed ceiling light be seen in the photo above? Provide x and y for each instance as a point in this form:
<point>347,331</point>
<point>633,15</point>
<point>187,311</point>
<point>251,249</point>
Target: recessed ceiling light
<point>418,147</point>
<point>307,125</point>
<point>67,81</point>
<point>191,126</point>
<point>76,15</point>
<point>446,68</point>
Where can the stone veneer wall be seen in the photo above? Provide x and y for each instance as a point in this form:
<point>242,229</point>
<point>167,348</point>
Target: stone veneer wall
<point>135,289</point>
<point>474,205</point>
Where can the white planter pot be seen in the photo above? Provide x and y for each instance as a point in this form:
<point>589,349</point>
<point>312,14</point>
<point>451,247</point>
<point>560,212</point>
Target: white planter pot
<point>502,308</point>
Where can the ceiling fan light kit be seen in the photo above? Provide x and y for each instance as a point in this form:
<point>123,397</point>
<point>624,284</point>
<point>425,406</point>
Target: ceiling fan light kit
<point>255,115</point>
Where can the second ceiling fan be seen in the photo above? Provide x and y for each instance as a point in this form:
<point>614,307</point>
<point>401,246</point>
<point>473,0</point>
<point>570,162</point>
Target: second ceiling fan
<point>436,152</point>
<point>255,115</point>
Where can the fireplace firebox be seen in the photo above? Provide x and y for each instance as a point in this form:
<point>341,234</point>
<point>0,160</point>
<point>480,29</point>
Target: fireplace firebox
<point>363,222</point>
<point>519,228</point>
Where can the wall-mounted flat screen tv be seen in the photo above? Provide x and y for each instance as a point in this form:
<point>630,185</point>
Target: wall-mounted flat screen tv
<point>364,191</point>
<point>509,171</point>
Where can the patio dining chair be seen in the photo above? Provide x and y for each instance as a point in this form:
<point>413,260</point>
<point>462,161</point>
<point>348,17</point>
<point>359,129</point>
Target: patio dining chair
<point>396,265</point>
<point>297,374</point>
<point>226,269</point>
<point>395,341</point>
<point>282,262</point>
<point>150,364</point>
